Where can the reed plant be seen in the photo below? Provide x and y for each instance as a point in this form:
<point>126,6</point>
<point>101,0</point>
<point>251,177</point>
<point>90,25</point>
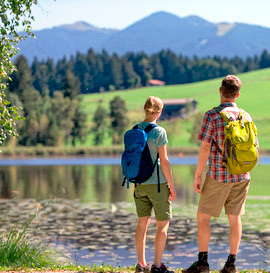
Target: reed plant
<point>19,248</point>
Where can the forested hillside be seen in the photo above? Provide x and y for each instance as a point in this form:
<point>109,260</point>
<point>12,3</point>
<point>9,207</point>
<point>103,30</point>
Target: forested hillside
<point>99,72</point>
<point>59,113</point>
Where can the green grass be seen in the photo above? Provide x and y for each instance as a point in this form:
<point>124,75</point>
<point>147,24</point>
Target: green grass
<point>94,268</point>
<point>101,269</point>
<point>260,185</point>
<point>254,94</point>
<point>46,151</point>
<point>254,98</point>
<point>19,249</point>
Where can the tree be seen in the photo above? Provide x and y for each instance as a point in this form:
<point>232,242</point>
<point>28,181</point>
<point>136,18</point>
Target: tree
<point>265,59</point>
<point>13,15</point>
<point>196,128</point>
<point>40,75</point>
<point>157,67</point>
<point>118,113</point>
<point>63,111</point>
<point>52,85</point>
<point>71,85</point>
<point>130,78</point>
<point>100,125</point>
<point>80,70</point>
<point>79,130</point>
<point>21,78</point>
<point>32,105</point>
<point>144,69</point>
<point>116,72</point>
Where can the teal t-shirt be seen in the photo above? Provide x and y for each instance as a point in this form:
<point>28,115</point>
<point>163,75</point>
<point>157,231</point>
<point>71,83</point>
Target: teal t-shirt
<point>157,137</point>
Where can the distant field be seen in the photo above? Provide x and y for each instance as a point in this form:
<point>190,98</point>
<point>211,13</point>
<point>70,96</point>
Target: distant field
<point>254,97</point>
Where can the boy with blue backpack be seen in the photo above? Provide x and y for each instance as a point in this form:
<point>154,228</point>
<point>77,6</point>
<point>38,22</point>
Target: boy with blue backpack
<point>145,163</point>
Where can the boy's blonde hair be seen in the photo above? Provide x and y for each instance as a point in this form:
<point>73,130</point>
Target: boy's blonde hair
<point>153,105</point>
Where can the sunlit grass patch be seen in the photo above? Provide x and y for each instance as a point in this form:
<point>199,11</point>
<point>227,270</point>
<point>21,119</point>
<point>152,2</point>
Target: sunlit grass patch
<point>94,268</point>
<point>18,248</point>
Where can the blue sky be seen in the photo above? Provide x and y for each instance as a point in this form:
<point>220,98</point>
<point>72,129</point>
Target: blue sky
<point>121,13</point>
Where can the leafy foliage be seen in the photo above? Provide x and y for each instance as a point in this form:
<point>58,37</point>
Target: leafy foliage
<point>100,124</point>
<point>118,113</point>
<point>13,14</point>
<point>196,128</point>
<point>49,120</point>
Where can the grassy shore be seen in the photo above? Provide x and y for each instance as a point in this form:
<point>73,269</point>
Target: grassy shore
<point>116,150</point>
<point>93,268</point>
<point>92,151</point>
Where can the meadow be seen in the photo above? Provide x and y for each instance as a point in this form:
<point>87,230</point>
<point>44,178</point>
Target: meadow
<point>254,97</point>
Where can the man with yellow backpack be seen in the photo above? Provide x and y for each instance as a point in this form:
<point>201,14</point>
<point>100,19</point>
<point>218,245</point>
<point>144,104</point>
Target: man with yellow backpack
<point>229,142</point>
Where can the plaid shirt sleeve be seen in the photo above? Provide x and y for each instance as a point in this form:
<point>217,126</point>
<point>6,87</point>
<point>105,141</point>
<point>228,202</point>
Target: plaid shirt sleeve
<point>206,132</point>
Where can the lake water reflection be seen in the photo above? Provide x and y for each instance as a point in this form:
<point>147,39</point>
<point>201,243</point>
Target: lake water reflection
<point>106,235</point>
<point>87,183</point>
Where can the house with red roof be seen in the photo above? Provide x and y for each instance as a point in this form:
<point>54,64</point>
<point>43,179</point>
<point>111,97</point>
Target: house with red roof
<point>178,108</point>
<point>154,82</point>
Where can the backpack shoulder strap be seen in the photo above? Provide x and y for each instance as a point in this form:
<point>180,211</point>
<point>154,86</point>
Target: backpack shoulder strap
<point>147,130</point>
<point>150,127</point>
<point>242,117</point>
<point>223,115</point>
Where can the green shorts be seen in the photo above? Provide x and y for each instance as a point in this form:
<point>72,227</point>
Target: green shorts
<point>147,197</point>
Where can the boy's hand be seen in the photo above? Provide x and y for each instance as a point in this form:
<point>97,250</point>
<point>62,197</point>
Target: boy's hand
<point>172,193</point>
<point>197,184</point>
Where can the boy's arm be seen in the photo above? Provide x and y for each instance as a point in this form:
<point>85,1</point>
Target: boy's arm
<point>202,161</point>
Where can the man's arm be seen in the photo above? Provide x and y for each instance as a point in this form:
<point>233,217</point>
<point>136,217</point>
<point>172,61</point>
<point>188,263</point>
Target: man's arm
<point>202,161</point>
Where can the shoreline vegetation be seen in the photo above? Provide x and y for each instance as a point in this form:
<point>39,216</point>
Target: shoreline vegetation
<point>94,269</point>
<point>92,151</point>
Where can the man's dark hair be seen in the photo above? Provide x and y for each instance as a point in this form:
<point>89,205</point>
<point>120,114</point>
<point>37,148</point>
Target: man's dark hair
<point>230,86</point>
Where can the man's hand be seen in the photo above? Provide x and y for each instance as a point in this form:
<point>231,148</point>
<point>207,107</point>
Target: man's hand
<point>172,193</point>
<point>197,184</point>
<point>202,161</point>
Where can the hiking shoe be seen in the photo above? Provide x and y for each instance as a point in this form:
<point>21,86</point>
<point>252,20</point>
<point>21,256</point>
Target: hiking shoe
<point>197,268</point>
<point>162,269</point>
<point>229,268</point>
<point>143,269</point>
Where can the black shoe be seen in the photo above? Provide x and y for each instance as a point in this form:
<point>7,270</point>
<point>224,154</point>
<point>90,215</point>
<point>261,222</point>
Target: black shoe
<point>197,268</point>
<point>229,268</point>
<point>162,269</point>
<point>143,269</point>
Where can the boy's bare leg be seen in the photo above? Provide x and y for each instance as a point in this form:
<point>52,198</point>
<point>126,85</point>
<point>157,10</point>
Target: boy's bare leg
<point>204,231</point>
<point>140,238</point>
<point>235,232</point>
<point>160,241</point>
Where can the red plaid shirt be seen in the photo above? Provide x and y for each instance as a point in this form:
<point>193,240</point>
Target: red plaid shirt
<point>213,128</point>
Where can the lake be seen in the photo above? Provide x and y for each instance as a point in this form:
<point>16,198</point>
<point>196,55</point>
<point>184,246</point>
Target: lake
<point>91,217</point>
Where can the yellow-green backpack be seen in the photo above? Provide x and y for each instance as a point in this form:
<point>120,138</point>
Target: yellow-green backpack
<point>240,148</point>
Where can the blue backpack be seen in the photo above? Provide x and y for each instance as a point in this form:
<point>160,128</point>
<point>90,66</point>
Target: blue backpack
<point>136,161</point>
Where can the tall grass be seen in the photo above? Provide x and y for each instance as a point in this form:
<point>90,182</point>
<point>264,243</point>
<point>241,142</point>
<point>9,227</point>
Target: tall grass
<point>18,248</point>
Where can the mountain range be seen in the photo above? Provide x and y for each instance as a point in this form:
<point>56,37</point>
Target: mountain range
<point>188,36</point>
